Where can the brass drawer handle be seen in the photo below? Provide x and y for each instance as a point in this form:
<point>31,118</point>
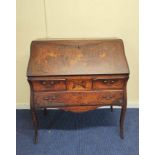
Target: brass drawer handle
<point>51,97</point>
<point>52,82</point>
<point>105,81</point>
<point>109,81</point>
<point>46,98</point>
<point>107,97</point>
<point>49,84</point>
<point>44,82</point>
<point>113,81</point>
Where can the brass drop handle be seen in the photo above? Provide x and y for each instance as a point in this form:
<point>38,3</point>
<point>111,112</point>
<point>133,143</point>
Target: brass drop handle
<point>46,98</point>
<point>52,82</point>
<point>105,81</point>
<point>112,81</point>
<point>107,97</point>
<point>49,84</point>
<point>44,82</point>
<point>51,97</point>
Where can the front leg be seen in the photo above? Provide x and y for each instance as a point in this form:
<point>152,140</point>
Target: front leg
<point>45,111</point>
<point>35,124</point>
<point>34,116</point>
<point>122,116</point>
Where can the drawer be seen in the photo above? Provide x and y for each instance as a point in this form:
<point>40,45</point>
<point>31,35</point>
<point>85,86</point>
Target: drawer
<point>47,85</point>
<point>79,84</point>
<point>108,83</point>
<point>58,99</point>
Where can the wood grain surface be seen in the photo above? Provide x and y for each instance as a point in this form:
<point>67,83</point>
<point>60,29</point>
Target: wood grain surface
<point>77,57</point>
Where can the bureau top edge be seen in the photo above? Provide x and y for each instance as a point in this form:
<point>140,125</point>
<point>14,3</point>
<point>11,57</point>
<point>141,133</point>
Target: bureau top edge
<point>108,76</point>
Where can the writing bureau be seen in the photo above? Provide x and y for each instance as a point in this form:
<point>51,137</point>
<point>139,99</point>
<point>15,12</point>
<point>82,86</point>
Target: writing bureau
<point>77,75</point>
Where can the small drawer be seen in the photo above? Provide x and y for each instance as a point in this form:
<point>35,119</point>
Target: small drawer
<point>88,98</point>
<point>47,85</point>
<point>108,84</point>
<point>78,84</point>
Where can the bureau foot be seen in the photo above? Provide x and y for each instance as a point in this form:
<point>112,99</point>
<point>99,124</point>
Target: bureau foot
<point>36,137</point>
<point>111,108</point>
<point>45,111</point>
<point>122,117</point>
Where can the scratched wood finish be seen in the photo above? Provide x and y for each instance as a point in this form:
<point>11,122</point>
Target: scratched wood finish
<point>77,76</point>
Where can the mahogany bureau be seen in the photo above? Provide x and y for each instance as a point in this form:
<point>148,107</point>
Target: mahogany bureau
<point>77,75</point>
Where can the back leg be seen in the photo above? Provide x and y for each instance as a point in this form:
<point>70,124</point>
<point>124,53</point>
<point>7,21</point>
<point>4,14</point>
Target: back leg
<point>45,111</point>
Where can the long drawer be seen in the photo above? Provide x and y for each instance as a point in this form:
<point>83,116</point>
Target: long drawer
<point>66,98</point>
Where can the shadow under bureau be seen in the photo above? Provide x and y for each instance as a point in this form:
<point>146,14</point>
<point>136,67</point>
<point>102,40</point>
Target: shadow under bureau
<point>77,75</point>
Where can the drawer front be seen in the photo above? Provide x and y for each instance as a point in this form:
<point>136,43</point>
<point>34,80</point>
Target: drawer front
<point>79,84</point>
<point>108,83</point>
<point>47,85</point>
<point>58,99</point>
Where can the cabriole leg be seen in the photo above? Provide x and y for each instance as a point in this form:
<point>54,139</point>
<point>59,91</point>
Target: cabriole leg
<point>122,118</point>
<point>35,125</point>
